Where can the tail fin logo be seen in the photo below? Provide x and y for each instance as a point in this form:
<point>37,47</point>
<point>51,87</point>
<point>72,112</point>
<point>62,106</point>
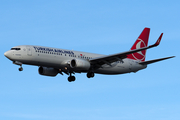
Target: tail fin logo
<point>141,54</point>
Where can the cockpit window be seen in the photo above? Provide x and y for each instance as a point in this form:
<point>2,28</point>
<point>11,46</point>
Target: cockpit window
<point>15,48</point>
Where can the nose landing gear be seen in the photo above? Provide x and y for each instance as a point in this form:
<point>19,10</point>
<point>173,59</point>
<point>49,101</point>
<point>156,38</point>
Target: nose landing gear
<point>21,69</point>
<point>18,63</point>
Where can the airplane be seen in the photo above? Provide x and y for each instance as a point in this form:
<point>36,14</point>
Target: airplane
<point>52,61</point>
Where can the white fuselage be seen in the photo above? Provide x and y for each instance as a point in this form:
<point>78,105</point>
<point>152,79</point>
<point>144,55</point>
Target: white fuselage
<point>60,59</point>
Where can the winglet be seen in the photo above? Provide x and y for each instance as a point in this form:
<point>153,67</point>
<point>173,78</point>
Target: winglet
<point>158,41</point>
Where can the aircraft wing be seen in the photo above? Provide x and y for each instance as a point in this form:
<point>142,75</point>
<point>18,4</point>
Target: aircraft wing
<point>108,59</point>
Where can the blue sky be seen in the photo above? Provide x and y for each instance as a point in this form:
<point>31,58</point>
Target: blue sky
<point>104,27</point>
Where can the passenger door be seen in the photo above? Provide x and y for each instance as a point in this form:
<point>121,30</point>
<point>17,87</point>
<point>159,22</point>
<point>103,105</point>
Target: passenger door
<point>29,52</point>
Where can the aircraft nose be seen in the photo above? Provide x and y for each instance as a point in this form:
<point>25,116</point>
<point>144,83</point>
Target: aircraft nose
<point>7,54</point>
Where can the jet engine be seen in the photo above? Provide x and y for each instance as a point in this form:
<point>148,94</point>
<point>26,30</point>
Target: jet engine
<point>47,71</point>
<point>80,64</point>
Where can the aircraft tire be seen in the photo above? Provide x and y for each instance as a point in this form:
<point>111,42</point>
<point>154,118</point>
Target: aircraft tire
<point>20,69</point>
<point>71,78</point>
<point>90,74</point>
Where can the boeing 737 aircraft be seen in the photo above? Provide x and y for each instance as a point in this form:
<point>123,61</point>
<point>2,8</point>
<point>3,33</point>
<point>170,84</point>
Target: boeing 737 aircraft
<point>52,61</point>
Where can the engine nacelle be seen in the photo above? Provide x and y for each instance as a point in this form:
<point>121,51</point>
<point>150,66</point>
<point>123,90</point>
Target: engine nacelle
<point>47,71</point>
<point>80,64</point>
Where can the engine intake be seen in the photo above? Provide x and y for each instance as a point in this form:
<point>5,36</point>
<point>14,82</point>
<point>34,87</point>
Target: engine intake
<point>80,64</point>
<point>47,71</point>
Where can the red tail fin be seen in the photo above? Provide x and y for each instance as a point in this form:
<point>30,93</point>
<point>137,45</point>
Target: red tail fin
<point>142,41</point>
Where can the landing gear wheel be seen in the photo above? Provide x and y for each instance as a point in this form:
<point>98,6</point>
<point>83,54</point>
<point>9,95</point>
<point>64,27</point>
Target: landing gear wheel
<point>71,78</point>
<point>20,69</point>
<point>90,74</point>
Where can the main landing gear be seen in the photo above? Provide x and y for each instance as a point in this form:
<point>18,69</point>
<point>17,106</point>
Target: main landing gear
<point>71,78</point>
<point>90,74</point>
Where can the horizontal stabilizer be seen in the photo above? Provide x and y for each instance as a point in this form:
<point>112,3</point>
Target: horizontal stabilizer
<point>155,60</point>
